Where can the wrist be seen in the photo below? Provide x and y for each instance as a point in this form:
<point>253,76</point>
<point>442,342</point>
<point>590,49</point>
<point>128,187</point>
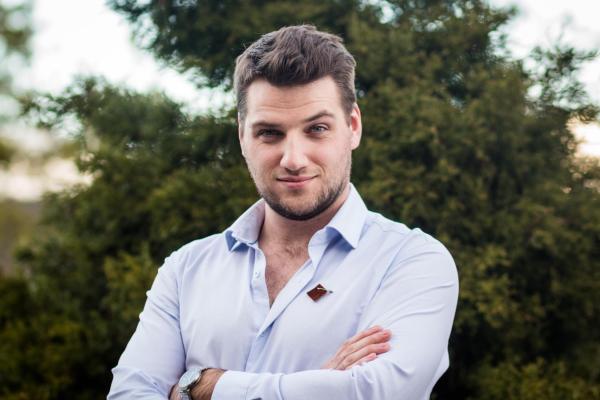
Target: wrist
<point>208,380</point>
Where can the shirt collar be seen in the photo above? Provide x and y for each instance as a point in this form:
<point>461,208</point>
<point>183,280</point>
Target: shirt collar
<point>247,227</point>
<point>348,222</point>
<point>350,218</point>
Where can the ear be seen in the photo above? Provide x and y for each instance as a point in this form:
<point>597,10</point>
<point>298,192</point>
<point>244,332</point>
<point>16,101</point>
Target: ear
<point>355,126</point>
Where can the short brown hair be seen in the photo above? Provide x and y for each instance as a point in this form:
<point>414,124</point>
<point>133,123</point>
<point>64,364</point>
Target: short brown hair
<point>295,55</point>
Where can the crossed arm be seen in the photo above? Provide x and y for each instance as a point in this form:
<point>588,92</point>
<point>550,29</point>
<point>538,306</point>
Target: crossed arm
<point>416,302</point>
<point>361,348</point>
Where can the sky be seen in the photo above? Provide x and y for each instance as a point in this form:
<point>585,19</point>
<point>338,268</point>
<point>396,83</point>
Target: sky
<point>75,37</point>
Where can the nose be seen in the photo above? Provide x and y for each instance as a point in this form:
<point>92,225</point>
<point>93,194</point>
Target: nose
<point>294,156</point>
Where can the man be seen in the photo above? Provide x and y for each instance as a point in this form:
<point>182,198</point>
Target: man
<point>308,295</point>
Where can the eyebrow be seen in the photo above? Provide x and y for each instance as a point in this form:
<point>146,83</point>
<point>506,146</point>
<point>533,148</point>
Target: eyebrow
<point>318,115</point>
<point>270,125</point>
<point>264,124</point>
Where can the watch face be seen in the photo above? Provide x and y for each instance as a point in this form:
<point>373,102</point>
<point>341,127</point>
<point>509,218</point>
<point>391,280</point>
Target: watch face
<point>188,378</point>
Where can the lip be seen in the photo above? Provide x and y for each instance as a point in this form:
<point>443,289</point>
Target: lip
<point>295,182</point>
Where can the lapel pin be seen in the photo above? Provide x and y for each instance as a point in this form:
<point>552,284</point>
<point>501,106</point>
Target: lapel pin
<point>317,292</point>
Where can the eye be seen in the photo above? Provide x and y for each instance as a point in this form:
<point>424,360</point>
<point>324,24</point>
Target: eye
<point>269,134</point>
<point>318,128</point>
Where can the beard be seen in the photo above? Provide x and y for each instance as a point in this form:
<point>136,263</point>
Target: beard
<point>324,199</point>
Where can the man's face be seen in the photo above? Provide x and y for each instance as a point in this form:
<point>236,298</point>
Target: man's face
<point>298,142</point>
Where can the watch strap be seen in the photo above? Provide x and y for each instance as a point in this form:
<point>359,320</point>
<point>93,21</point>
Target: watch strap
<point>186,391</point>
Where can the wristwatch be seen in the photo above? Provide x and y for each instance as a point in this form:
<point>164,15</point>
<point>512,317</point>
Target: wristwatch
<point>188,380</point>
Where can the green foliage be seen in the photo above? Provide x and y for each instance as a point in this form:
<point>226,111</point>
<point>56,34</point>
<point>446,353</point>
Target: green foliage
<point>205,37</point>
<point>127,278</point>
<point>15,32</point>
<point>161,179</point>
<point>536,380</point>
<point>6,152</point>
<point>455,141</point>
<point>17,221</point>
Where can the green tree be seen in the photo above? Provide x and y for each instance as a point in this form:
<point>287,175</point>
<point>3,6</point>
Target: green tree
<point>161,179</point>
<point>15,32</point>
<point>454,143</point>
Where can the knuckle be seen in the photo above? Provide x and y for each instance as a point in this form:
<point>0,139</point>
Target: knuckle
<point>372,339</point>
<point>349,361</point>
<point>374,347</point>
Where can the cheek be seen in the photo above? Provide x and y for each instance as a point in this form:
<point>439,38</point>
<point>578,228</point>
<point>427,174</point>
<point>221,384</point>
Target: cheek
<point>337,155</point>
<point>261,161</point>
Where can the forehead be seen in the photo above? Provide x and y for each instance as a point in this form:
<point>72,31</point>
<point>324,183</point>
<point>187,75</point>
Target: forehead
<point>266,101</point>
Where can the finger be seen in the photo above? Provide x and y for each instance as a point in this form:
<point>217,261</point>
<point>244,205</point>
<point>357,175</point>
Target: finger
<point>365,359</point>
<point>355,357</point>
<point>361,335</point>
<point>365,333</point>
<point>377,337</point>
<point>358,341</point>
<point>375,342</point>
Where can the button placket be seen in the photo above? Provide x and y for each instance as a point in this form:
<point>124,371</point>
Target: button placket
<point>259,285</point>
<point>262,308</point>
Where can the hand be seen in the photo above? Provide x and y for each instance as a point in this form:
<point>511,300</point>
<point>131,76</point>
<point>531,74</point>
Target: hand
<point>204,389</point>
<point>363,347</point>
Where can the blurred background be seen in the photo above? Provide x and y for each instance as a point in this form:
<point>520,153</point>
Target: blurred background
<point>118,145</point>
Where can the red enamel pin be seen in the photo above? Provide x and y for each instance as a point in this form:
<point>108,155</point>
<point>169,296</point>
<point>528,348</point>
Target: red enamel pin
<point>317,292</point>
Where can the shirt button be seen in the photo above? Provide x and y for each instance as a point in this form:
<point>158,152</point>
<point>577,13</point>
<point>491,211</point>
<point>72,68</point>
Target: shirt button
<point>256,274</point>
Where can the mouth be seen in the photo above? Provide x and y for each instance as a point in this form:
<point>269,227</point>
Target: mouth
<point>295,182</point>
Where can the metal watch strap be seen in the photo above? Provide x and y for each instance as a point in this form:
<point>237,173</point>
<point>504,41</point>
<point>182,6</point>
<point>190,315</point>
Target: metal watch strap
<point>186,392</point>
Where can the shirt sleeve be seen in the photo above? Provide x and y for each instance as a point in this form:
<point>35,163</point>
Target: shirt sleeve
<point>416,301</point>
<point>154,357</point>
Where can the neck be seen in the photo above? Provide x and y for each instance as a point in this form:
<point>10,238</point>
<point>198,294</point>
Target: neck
<point>280,230</point>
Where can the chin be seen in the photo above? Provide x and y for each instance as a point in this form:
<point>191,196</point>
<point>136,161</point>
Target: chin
<point>299,208</point>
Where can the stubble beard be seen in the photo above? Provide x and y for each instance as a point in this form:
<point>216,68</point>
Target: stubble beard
<point>324,200</point>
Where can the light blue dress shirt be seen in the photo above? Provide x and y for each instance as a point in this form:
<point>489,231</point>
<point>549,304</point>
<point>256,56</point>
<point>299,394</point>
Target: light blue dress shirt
<point>209,307</point>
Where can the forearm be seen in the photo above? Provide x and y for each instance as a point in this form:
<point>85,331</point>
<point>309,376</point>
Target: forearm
<point>376,380</point>
<point>317,385</point>
<point>204,390</point>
